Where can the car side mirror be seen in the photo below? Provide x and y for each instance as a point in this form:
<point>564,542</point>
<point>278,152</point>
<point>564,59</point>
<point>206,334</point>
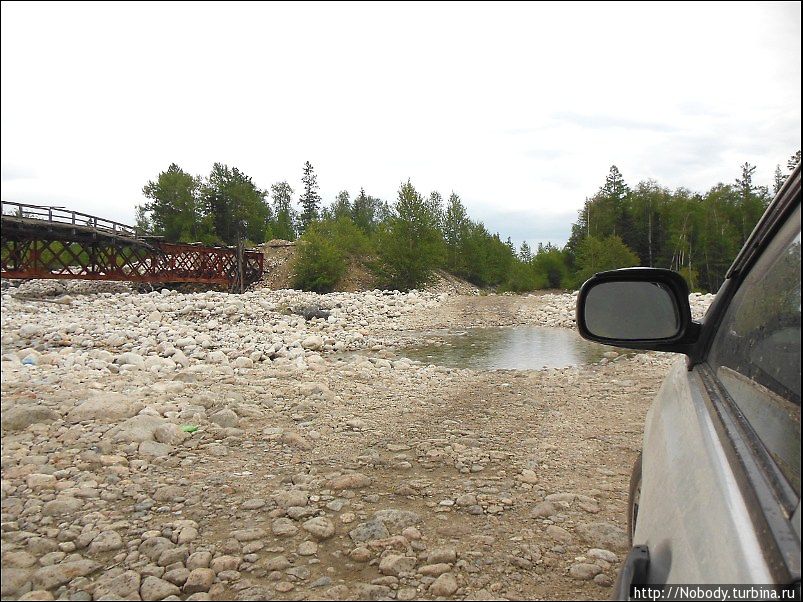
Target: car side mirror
<point>639,308</point>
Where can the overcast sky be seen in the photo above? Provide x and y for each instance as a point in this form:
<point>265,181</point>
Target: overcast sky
<point>519,108</point>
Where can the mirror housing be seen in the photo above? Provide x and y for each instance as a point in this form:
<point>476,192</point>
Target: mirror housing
<point>617,297</point>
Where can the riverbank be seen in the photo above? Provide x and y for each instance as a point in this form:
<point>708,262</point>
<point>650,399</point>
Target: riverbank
<point>208,446</point>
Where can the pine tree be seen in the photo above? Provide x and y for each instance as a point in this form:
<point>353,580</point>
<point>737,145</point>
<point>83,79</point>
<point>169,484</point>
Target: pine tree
<point>745,183</point>
<point>618,197</point>
<point>606,213</point>
<point>525,252</point>
<point>615,186</point>
<point>342,205</point>
<point>752,200</point>
<point>409,243</point>
<point>435,204</point>
<point>778,179</point>
<point>455,233</point>
<point>285,217</point>
<point>310,199</point>
<point>144,224</point>
<point>365,212</point>
<point>793,161</point>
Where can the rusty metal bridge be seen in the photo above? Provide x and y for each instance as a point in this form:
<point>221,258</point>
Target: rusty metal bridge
<point>53,242</point>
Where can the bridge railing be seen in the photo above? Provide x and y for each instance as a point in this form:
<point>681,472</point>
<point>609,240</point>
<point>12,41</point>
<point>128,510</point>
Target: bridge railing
<point>59,215</point>
<point>53,242</point>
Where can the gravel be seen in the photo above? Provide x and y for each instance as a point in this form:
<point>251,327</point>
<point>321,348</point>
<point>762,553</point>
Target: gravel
<point>165,445</point>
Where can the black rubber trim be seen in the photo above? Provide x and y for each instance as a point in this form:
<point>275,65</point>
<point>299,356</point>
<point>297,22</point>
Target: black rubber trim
<point>770,500</point>
<point>633,572</point>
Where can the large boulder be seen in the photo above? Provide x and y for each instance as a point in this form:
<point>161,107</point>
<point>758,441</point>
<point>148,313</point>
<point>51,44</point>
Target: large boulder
<point>136,429</point>
<point>105,406</point>
<point>397,520</point>
<point>225,418</point>
<point>603,535</point>
<point>50,577</point>
<point>310,312</point>
<point>130,358</point>
<point>313,343</point>
<point>19,417</point>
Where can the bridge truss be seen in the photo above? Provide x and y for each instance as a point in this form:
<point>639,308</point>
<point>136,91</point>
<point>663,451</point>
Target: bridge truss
<point>51,242</point>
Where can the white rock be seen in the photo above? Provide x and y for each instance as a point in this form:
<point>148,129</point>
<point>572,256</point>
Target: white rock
<point>130,358</point>
<point>28,331</point>
<point>314,343</point>
<point>243,362</point>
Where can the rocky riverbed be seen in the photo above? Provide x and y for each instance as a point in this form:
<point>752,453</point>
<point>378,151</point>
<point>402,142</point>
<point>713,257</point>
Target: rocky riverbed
<point>278,445</point>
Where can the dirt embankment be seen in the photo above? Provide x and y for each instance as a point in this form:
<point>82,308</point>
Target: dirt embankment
<point>281,254</point>
<point>307,474</point>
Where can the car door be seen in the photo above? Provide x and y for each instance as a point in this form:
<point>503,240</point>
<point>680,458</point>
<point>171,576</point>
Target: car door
<point>720,489</point>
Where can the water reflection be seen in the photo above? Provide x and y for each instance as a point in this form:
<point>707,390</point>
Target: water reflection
<point>520,348</point>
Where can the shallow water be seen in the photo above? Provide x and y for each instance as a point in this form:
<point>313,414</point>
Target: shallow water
<point>518,348</point>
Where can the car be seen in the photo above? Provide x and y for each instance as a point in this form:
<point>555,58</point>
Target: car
<point>715,493</point>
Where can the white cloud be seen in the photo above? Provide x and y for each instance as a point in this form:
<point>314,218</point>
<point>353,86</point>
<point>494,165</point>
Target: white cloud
<point>520,108</point>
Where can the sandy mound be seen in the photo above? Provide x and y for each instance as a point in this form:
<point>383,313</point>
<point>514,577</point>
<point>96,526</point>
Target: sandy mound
<point>280,256</point>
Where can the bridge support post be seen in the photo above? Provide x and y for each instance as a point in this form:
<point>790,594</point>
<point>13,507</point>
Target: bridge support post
<point>36,262</point>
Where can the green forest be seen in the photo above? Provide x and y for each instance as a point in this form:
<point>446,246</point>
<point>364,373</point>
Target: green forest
<point>405,240</point>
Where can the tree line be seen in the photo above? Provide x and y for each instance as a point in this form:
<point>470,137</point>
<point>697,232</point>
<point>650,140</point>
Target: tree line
<point>404,241</point>
<point>695,234</point>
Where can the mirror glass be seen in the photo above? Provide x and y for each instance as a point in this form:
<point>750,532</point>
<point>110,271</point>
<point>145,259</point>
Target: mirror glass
<point>630,310</point>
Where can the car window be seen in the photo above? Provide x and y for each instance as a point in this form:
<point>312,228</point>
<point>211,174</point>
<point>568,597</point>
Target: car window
<point>756,351</point>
